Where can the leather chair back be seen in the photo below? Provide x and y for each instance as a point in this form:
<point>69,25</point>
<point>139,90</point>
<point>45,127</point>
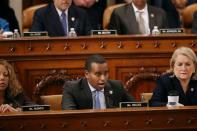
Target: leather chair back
<point>107,14</point>
<point>53,100</point>
<point>28,16</point>
<point>142,82</point>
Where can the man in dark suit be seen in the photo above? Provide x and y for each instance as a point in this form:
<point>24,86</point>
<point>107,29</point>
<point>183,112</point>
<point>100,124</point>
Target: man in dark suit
<point>94,91</point>
<point>94,9</point>
<point>59,16</point>
<point>125,19</point>
<point>194,25</point>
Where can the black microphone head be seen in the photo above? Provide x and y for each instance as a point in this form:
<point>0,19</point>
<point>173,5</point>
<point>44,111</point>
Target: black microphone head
<point>173,93</point>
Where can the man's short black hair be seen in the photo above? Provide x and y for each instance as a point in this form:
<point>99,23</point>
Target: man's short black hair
<point>94,59</point>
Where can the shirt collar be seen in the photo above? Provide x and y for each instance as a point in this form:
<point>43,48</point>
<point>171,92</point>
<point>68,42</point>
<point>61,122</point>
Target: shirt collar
<point>60,12</point>
<point>93,89</point>
<point>136,9</point>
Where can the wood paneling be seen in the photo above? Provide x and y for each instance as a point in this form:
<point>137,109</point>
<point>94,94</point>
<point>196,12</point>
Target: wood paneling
<point>160,118</point>
<point>34,58</point>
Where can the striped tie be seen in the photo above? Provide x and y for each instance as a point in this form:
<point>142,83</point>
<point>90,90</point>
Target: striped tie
<point>97,100</point>
<point>64,22</point>
<point>141,23</point>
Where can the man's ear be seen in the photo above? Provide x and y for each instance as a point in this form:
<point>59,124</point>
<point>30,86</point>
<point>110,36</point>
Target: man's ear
<point>86,73</point>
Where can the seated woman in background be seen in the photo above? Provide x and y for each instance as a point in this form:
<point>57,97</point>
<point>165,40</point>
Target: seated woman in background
<point>11,92</point>
<point>181,78</point>
<point>4,25</point>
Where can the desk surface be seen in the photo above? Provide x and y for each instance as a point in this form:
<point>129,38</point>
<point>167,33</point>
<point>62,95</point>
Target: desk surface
<point>150,118</point>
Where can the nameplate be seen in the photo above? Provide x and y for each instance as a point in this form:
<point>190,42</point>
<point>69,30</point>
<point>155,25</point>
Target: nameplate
<point>172,31</point>
<point>133,104</point>
<point>35,34</point>
<point>36,108</point>
<point>103,32</point>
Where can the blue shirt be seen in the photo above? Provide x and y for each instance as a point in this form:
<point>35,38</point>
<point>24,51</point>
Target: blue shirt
<point>4,25</point>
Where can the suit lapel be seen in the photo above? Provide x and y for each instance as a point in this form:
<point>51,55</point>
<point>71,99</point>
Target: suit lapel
<point>108,92</point>
<point>72,18</point>
<point>54,20</point>
<point>132,22</point>
<point>152,18</point>
<point>177,86</point>
<point>87,95</point>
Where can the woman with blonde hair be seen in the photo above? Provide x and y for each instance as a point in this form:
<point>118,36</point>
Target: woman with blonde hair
<point>181,78</point>
<point>11,91</point>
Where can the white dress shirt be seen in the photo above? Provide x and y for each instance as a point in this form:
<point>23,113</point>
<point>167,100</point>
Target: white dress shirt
<point>144,15</point>
<point>101,97</point>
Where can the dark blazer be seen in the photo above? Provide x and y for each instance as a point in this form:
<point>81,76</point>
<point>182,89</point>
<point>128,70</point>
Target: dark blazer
<point>169,82</point>
<point>123,19</point>
<point>47,19</point>
<point>77,95</point>
<point>194,25</point>
<point>95,14</point>
<point>17,101</point>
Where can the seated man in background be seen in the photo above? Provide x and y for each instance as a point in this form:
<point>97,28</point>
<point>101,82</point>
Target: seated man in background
<point>137,17</point>
<point>12,96</point>
<point>58,17</point>
<point>194,24</point>
<point>95,9</point>
<point>182,78</point>
<point>94,91</point>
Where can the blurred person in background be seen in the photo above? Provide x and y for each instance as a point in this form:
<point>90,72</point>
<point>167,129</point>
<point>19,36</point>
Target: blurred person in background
<point>4,25</point>
<point>7,13</point>
<point>95,10</point>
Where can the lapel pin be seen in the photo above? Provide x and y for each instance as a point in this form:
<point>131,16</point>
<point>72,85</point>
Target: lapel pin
<point>110,92</point>
<point>73,19</point>
<point>152,15</point>
<point>192,89</point>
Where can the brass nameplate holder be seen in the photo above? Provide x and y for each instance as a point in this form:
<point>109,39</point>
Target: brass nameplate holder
<point>133,104</point>
<point>103,32</point>
<point>172,31</point>
<point>36,108</point>
<point>35,34</point>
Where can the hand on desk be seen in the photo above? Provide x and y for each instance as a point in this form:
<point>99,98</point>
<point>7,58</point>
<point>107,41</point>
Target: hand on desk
<point>7,108</point>
<point>178,104</point>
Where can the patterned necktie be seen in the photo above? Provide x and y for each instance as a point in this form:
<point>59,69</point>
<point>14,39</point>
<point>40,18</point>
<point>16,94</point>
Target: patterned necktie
<point>64,22</point>
<point>141,23</point>
<point>97,100</point>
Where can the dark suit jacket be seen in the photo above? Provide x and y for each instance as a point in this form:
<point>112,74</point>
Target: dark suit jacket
<point>124,21</point>
<point>169,82</point>
<point>77,95</point>
<point>95,14</point>
<point>194,25</point>
<point>47,19</point>
<point>17,101</point>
